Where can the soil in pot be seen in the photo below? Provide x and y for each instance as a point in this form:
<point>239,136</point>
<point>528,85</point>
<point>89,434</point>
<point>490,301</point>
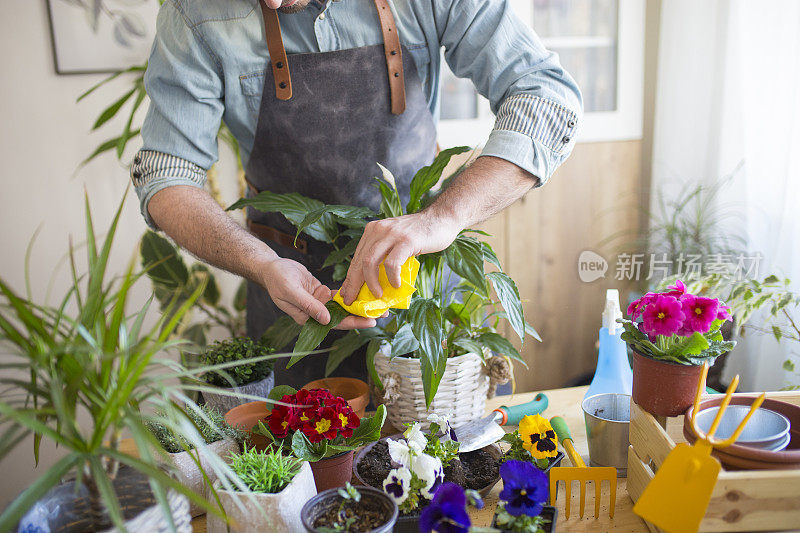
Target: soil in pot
<point>473,470</point>
<point>374,512</point>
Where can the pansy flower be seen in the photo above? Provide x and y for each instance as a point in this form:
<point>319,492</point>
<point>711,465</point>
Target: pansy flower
<point>538,436</point>
<point>430,471</point>
<point>397,484</point>
<point>447,513</point>
<point>525,488</point>
<point>414,435</point>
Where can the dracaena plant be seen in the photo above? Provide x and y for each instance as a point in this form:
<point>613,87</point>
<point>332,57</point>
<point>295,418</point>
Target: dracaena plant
<point>445,318</point>
<point>93,354</point>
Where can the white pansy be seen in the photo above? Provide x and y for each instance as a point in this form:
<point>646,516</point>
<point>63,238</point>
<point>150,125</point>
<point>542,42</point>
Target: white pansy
<point>429,469</point>
<point>397,484</point>
<point>443,421</point>
<point>400,452</point>
<point>414,435</point>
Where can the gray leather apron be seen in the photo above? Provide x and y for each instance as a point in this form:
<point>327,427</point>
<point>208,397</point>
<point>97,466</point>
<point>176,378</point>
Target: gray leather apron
<point>324,122</point>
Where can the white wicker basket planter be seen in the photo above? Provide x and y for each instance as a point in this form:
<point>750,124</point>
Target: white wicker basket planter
<point>189,474</point>
<point>266,512</point>
<point>461,395</point>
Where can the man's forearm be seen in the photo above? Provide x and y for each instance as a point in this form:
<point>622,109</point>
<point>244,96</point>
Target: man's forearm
<point>483,189</point>
<point>192,218</point>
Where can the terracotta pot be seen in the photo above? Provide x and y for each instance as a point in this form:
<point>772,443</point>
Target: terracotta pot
<point>371,498</point>
<point>661,388</point>
<point>333,472</point>
<point>355,391</point>
<point>266,512</point>
<point>245,417</point>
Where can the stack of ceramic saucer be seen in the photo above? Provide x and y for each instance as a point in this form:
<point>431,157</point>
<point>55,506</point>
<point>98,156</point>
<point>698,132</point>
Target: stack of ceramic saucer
<point>770,441</point>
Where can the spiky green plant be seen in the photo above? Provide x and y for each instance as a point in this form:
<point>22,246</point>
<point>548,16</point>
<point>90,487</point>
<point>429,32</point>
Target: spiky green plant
<point>214,430</point>
<point>92,354</point>
<point>267,471</point>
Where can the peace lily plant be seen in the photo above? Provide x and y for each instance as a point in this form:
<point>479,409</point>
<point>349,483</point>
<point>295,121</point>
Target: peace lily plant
<point>429,318</point>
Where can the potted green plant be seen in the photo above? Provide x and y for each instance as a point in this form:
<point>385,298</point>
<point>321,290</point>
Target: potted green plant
<point>92,354</point>
<point>346,509</point>
<point>316,426</point>
<point>219,437</point>
<point>239,383</point>
<point>444,337</point>
<point>521,508</point>
<point>672,334</point>
<point>279,487</point>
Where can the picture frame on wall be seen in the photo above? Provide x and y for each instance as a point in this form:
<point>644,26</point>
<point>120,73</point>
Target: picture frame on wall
<point>96,36</point>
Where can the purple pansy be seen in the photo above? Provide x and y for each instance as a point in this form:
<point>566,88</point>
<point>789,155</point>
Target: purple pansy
<point>447,512</point>
<point>524,488</point>
<point>663,316</point>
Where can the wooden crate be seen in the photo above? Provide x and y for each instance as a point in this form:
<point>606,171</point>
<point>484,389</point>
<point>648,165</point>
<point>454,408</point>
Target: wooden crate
<point>747,500</point>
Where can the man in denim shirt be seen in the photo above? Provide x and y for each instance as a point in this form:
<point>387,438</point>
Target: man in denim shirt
<point>316,92</point>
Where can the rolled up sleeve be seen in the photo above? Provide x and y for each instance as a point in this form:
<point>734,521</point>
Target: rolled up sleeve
<point>184,83</point>
<point>537,103</point>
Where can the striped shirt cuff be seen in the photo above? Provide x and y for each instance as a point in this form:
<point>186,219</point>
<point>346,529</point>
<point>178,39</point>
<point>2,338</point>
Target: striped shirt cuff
<point>533,133</point>
<point>153,171</point>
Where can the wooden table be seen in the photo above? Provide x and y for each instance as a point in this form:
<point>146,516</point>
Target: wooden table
<point>565,403</point>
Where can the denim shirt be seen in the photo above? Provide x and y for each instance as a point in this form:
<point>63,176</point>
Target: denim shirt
<point>209,58</point>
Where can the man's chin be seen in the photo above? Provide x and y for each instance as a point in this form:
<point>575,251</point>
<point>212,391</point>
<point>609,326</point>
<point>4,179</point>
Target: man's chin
<point>298,6</point>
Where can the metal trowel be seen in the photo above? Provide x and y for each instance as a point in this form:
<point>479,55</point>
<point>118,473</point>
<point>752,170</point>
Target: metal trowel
<point>485,431</point>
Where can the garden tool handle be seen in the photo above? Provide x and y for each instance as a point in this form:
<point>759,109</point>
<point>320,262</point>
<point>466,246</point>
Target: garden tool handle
<point>512,415</point>
<point>565,438</point>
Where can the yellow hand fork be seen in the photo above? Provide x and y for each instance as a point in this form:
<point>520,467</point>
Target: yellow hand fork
<point>687,476</point>
<point>579,472</point>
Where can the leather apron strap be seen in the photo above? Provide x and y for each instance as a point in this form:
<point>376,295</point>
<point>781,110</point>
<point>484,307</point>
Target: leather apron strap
<point>391,47</point>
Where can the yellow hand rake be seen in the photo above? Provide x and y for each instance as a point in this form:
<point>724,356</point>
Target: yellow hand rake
<point>581,473</point>
<point>687,476</point>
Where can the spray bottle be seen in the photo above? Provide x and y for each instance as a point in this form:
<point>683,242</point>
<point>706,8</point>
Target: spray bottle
<point>613,373</point>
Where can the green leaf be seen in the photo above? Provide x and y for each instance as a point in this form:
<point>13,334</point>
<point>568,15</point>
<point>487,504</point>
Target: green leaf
<point>304,450</point>
<point>508,294</point>
<point>369,430</point>
<point>777,333</point>
<point>313,333</point>
<point>427,177</point>
<point>692,345</point>
<point>372,349</point>
<point>126,133</point>
<point>339,272</point>
<point>342,255</point>
<point>465,257</point>
<point>469,345</point>
<point>404,342</point>
<point>281,333</point>
<point>107,146</point>
<point>489,255</point>
<point>201,273</point>
<point>279,391</point>
<point>391,205</point>
<point>321,215</point>
<point>112,110</point>
<point>240,298</point>
<point>344,347</point>
<point>499,344</point>
<point>162,261</point>
<point>293,206</point>
<point>136,68</point>
<point>425,318</point>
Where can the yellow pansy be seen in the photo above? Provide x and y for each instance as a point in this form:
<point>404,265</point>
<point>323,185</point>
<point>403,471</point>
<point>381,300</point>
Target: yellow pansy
<point>368,306</point>
<point>538,436</point>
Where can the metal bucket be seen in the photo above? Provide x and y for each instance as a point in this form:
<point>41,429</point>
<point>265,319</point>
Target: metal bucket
<point>607,419</point>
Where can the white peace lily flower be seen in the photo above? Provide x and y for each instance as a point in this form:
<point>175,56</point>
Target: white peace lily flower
<point>429,469</point>
<point>414,435</point>
<point>397,483</point>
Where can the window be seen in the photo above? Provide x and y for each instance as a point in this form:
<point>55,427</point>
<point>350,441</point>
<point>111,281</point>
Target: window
<point>600,42</point>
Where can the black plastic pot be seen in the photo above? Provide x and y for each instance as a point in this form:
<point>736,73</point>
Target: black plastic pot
<point>370,496</point>
<point>548,513</point>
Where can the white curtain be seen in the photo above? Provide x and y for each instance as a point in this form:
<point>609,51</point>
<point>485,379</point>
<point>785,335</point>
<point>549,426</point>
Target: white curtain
<point>728,92</point>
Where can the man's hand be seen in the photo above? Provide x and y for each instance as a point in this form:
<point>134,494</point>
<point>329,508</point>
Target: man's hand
<point>300,295</point>
<point>392,241</point>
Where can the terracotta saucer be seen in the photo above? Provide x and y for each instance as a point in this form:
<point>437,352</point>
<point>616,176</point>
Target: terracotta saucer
<point>738,456</point>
